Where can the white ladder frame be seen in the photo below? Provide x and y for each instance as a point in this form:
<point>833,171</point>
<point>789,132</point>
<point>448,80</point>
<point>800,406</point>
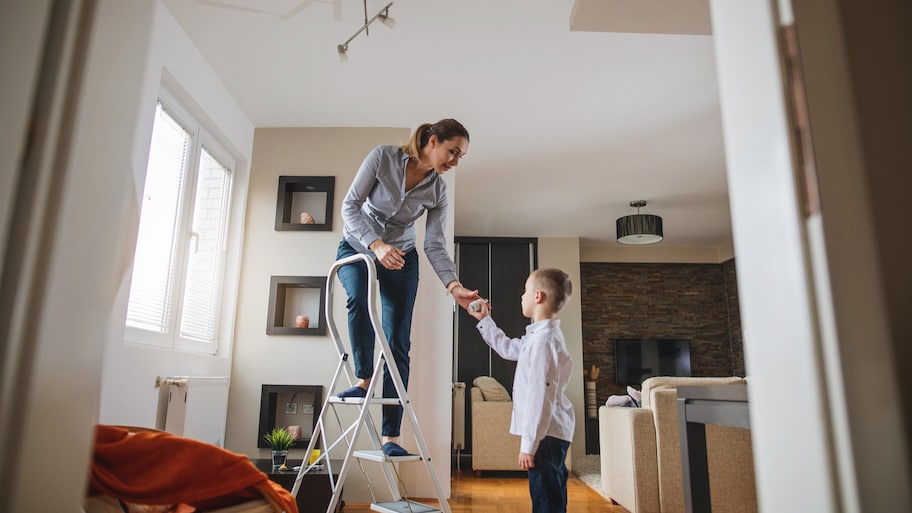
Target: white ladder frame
<point>350,435</point>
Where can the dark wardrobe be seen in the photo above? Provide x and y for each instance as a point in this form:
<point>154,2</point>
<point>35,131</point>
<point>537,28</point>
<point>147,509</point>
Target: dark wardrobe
<point>498,268</point>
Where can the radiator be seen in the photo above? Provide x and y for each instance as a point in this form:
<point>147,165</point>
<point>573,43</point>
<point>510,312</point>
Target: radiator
<point>197,407</point>
<point>459,406</point>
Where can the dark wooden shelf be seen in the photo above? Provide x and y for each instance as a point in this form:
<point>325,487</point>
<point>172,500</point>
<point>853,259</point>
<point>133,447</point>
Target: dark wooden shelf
<point>282,297</point>
<point>311,194</point>
<point>315,492</point>
<point>308,400</point>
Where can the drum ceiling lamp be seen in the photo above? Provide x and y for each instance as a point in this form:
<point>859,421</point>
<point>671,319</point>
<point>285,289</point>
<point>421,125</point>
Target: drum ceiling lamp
<point>639,229</point>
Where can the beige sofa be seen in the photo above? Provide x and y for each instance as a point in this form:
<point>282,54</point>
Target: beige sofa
<point>493,447</point>
<point>641,454</point>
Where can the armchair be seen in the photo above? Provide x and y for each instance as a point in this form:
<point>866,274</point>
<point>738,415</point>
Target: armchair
<point>493,447</point>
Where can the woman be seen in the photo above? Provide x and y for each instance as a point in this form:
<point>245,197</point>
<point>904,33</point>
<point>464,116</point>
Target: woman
<point>393,188</point>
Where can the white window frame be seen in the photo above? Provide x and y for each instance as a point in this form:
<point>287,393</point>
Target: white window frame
<point>201,137</point>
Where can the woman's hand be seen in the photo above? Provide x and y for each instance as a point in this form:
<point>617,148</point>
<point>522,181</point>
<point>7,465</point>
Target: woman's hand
<point>389,256</point>
<point>464,296</point>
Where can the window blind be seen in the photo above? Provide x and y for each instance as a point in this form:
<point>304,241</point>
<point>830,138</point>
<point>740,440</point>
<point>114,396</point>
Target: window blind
<point>152,290</point>
<point>207,246</point>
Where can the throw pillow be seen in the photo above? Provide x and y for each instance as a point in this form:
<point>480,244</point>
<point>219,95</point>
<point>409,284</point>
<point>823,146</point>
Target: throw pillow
<point>619,400</point>
<point>491,389</point>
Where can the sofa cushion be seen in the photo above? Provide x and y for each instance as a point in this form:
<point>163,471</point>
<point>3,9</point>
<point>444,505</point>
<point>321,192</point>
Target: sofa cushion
<point>491,389</point>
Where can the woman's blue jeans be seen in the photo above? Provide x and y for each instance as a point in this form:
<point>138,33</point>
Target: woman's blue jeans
<point>397,301</point>
<point>548,479</point>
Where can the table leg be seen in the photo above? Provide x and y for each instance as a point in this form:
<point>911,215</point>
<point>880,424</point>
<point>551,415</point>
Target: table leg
<point>694,465</point>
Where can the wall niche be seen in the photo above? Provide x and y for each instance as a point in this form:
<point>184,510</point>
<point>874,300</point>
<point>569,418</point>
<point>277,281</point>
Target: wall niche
<point>297,305</point>
<point>290,405</point>
<point>305,203</point>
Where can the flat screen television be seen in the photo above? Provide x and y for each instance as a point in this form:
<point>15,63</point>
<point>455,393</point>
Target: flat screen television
<point>638,359</point>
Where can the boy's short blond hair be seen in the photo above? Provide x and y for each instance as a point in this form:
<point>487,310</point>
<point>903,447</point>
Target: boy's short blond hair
<point>555,284</point>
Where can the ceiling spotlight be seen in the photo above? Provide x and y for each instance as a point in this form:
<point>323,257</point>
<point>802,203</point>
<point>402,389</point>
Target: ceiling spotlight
<point>382,15</point>
<point>341,49</point>
<point>386,19</point>
<point>639,229</point>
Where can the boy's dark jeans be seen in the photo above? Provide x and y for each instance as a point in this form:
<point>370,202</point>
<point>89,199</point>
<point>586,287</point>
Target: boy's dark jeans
<point>548,479</point>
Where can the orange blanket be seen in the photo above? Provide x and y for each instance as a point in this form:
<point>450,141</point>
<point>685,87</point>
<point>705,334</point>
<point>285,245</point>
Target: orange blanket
<point>161,468</point>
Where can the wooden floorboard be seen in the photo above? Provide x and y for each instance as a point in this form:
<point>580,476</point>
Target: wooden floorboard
<point>508,492</point>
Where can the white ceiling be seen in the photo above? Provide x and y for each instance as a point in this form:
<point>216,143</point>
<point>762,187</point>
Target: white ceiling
<point>567,126</point>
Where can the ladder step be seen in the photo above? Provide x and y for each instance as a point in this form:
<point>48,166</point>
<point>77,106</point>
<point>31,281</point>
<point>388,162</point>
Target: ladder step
<point>377,455</point>
<point>403,507</point>
<point>360,400</point>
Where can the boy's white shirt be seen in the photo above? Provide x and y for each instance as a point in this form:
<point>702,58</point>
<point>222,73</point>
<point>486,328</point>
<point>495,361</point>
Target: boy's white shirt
<point>540,404</point>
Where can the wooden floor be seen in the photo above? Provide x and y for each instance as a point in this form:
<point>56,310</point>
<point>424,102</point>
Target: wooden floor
<point>508,492</point>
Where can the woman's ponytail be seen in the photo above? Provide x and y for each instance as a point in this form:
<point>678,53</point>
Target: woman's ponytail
<point>418,140</point>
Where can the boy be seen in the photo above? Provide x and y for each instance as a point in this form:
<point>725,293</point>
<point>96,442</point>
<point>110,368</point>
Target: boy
<point>542,413</point>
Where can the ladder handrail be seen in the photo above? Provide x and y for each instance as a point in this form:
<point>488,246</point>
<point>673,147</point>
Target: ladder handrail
<point>342,350</point>
<point>371,295</point>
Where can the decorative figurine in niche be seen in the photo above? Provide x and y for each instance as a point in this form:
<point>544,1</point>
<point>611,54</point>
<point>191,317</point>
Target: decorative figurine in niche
<point>302,321</point>
<point>307,218</point>
<point>294,431</point>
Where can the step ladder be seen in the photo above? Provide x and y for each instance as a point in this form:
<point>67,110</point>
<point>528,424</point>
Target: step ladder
<point>349,434</point>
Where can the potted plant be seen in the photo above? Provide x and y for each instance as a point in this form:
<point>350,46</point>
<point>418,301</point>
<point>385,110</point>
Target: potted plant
<point>280,440</point>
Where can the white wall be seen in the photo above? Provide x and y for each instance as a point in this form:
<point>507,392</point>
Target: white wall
<point>859,112</point>
<point>816,289</point>
<point>20,51</point>
<point>83,246</point>
<point>311,360</point>
<point>564,254</point>
<point>128,395</point>
<point>774,286</point>
<point>431,384</point>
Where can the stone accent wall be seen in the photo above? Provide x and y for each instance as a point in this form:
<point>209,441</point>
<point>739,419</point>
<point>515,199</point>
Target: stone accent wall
<point>697,302</point>
<point>734,317</point>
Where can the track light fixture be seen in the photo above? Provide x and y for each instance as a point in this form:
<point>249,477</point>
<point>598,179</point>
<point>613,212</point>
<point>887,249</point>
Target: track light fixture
<point>382,15</point>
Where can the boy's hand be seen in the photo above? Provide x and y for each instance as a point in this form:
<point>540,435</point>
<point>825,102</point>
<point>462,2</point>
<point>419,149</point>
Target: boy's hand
<point>526,461</point>
<point>483,309</point>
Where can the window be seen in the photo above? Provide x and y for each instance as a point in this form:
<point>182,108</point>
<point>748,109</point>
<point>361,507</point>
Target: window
<point>179,264</point>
